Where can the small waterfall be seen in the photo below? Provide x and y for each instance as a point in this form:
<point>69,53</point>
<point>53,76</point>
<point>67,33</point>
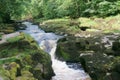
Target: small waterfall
<point>48,42</point>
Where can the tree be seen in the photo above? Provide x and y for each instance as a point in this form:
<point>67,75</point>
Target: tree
<point>22,9</point>
<point>5,10</point>
<point>49,9</point>
<point>75,8</point>
<point>14,9</point>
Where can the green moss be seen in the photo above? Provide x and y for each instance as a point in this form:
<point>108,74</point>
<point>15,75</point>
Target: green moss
<point>14,39</point>
<point>61,54</point>
<point>87,22</point>
<point>21,44</point>
<point>100,62</point>
<point>7,28</point>
<point>8,60</point>
<point>26,75</point>
<point>65,56</point>
<point>68,26</point>
<point>62,25</point>
<point>13,70</point>
<point>20,50</point>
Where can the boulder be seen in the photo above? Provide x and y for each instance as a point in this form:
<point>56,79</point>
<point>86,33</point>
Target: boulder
<point>24,60</point>
<point>99,55</point>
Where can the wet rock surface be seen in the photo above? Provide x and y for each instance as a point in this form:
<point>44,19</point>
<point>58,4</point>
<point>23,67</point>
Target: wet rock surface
<point>99,55</point>
<point>23,60</point>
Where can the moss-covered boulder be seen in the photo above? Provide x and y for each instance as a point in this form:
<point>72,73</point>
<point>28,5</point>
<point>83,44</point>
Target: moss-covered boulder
<point>99,55</point>
<point>7,28</point>
<point>22,59</point>
<point>69,48</point>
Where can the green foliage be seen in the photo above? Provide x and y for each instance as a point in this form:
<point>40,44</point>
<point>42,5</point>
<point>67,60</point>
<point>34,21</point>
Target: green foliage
<point>27,9</point>
<point>106,8</point>
<point>49,9</point>
<point>62,7</point>
<point>18,9</point>
<point>76,7</point>
<point>118,5</point>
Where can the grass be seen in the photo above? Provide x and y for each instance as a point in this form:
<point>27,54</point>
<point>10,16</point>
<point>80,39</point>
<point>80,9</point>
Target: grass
<point>60,25</point>
<point>87,22</point>
<point>65,25</point>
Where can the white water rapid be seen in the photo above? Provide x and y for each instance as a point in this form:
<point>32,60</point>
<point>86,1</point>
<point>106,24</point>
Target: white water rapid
<point>48,42</point>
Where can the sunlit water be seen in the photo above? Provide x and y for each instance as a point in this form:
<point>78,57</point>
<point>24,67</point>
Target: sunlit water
<point>48,42</point>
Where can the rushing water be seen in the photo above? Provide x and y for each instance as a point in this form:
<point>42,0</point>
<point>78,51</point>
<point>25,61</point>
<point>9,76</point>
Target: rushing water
<point>48,42</point>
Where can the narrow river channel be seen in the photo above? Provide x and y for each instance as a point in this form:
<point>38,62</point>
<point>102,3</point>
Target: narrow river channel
<point>48,42</point>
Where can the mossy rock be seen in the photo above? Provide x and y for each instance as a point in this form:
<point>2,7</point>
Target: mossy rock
<point>7,31</point>
<point>70,48</point>
<point>26,75</point>
<point>25,53</point>
<point>7,28</point>
<point>101,62</point>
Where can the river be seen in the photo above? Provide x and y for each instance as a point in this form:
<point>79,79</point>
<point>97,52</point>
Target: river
<point>48,42</point>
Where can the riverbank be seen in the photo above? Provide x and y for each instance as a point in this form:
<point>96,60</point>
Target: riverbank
<point>81,25</point>
<point>10,29</point>
<point>22,59</point>
<point>93,42</point>
<point>99,55</point>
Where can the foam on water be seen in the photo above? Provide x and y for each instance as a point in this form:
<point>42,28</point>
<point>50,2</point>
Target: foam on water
<point>48,42</point>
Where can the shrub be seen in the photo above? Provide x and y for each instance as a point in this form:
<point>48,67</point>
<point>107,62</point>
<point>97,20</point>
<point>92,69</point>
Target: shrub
<point>106,8</point>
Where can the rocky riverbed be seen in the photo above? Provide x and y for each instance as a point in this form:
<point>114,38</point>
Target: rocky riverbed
<point>99,55</point>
